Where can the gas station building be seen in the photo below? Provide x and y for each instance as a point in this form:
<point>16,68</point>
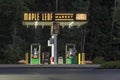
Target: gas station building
<point>54,20</point>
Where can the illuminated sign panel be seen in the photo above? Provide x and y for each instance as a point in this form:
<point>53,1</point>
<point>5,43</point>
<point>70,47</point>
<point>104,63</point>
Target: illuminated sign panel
<point>47,16</point>
<point>64,16</point>
<point>31,16</point>
<point>81,16</point>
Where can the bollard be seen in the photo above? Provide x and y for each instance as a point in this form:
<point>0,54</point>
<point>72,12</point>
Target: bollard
<point>79,58</point>
<point>83,58</point>
<point>26,58</point>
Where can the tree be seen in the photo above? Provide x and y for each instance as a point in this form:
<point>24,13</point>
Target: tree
<point>16,52</point>
<point>99,26</point>
<point>10,21</point>
<point>80,5</point>
<point>115,30</point>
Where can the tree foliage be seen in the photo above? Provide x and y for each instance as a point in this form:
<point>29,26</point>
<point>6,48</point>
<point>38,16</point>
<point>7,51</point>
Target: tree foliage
<point>10,20</point>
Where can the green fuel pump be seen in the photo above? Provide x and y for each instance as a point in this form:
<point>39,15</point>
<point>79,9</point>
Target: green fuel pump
<point>71,51</point>
<point>35,53</point>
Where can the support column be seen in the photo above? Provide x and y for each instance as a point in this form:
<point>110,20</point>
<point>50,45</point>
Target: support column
<point>52,51</point>
<point>55,48</point>
<point>55,28</point>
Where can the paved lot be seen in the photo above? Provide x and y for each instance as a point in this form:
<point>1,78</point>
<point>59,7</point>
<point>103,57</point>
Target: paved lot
<point>58,74</point>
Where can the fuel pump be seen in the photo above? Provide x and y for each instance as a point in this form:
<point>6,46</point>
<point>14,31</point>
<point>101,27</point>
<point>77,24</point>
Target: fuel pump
<point>71,51</point>
<point>35,53</point>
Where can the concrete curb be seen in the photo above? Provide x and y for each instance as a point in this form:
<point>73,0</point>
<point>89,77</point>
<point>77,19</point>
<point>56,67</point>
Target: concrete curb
<point>65,66</point>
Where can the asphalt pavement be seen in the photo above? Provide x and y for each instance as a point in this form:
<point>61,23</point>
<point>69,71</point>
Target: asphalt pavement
<point>57,73</point>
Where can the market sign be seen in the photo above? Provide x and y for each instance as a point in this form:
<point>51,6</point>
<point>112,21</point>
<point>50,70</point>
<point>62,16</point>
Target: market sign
<point>36,16</point>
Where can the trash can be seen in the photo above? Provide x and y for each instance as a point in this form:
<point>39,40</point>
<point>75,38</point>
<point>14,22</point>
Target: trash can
<point>68,60</point>
<point>60,60</point>
<point>74,60</point>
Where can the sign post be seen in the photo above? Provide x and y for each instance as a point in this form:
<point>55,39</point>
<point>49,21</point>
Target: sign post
<point>55,31</point>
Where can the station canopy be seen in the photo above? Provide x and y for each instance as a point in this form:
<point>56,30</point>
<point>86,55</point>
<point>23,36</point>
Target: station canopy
<point>47,19</point>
